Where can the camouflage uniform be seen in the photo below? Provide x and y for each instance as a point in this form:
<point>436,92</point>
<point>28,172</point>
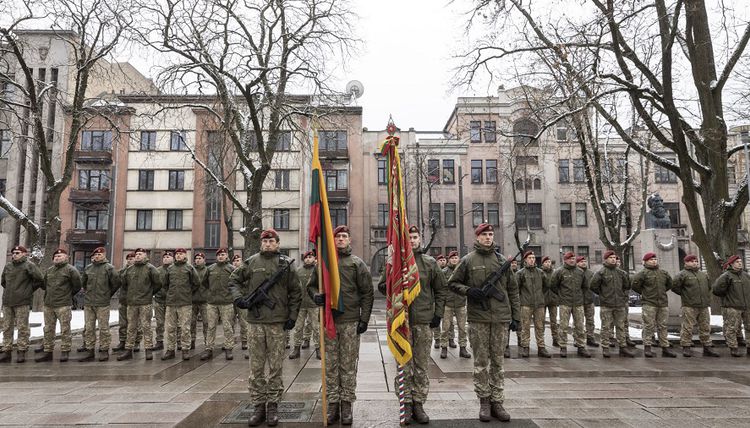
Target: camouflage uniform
<point>180,282</point>
<point>488,329</point>
<point>122,314</point>
<point>141,281</point>
<point>100,283</point>
<point>589,309</point>
<point>200,307</point>
<point>308,320</point>
<point>61,282</point>
<point>653,284</point>
<point>216,284</point>
<point>532,284</point>
<point>160,306</point>
<point>569,283</point>
<point>734,289</point>
<point>19,280</point>
<point>550,304</point>
<point>695,291</point>
<point>612,285</point>
<point>455,306</point>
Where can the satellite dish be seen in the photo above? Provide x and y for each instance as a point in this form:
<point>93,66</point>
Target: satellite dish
<point>355,88</point>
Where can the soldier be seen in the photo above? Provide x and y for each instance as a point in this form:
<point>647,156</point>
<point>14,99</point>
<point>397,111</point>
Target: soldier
<point>122,312</point>
<point>180,283</point>
<point>199,301</point>
<point>220,305</point>
<point>455,306</point>
<point>266,325</point>
<point>141,281</point>
<point>239,315</point>
<point>532,285</point>
<point>733,286</point>
<point>694,289</point>
<point>588,302</point>
<point>436,336</point>
<point>488,329</point>
<point>308,319</point>
<point>442,261</point>
<point>551,301</point>
<point>612,286</point>
<point>653,283</point>
<point>626,325</point>
<point>569,283</point>
<point>100,283</point>
<point>20,278</point>
<point>342,352</point>
<point>160,300</point>
<point>425,314</point>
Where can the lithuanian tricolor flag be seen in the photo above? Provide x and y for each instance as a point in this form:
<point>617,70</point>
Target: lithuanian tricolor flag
<point>321,234</point>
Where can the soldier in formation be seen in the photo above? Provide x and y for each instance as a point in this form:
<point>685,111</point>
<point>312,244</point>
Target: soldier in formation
<point>694,290</point>
<point>220,305</point>
<point>588,302</point>
<point>160,301</point>
<point>100,283</point>
<point>532,286</point>
<point>122,312</point>
<point>180,281</point>
<point>612,285</point>
<point>140,281</point>
<point>308,321</point>
<point>239,315</point>
<point>455,307</point>
<point>550,301</point>
<point>569,283</point>
<point>200,306</point>
<point>19,280</point>
<point>652,283</point>
<point>733,287</point>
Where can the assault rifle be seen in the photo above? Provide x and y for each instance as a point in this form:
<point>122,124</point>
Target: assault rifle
<point>260,295</point>
<point>488,287</point>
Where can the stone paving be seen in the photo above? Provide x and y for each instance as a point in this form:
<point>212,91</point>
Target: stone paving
<point>576,392</point>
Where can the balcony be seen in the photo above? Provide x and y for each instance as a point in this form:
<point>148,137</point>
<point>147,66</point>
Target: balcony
<point>338,195</point>
<point>95,196</point>
<point>334,154</point>
<point>378,233</point>
<point>96,156</point>
<point>83,236</point>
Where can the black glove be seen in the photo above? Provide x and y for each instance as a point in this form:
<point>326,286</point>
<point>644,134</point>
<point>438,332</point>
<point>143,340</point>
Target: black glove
<point>514,325</point>
<point>382,288</point>
<point>319,299</point>
<point>435,323</point>
<point>476,295</point>
<point>241,303</point>
<point>289,324</point>
<point>361,327</point>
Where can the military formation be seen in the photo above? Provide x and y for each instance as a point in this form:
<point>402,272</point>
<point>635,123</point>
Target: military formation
<point>484,296</point>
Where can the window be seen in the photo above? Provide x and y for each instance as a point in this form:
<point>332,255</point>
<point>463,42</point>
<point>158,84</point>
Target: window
<point>338,216</point>
<point>92,219</point>
<point>433,170</point>
<point>598,257</point>
<point>491,165</point>
<point>567,248</point>
<point>493,214</point>
<point>213,235</point>
<point>663,175</point>
<point>284,143</point>
<point>148,141</point>
<point>489,131</point>
<point>674,213</point>
<point>583,251</point>
<point>537,184</point>
<point>434,251</point>
<point>177,141</point>
<point>382,177</point>
<point>281,179</point>
<point>524,130</point>
<point>449,172</point>
<point>96,141</point>
<point>566,214</point>
<point>143,219</point>
<point>383,215</point>
<point>619,170</point>
<point>145,179</point>
<point>527,160</point>
<point>449,214</point>
<point>579,175</point>
<point>561,132</point>
<point>2,187</point>
<point>4,142</point>
<point>581,219</point>
<point>81,259</point>
<point>476,172</point>
<point>93,179</point>
<point>336,179</point>
<point>332,140</point>
<point>176,180</point>
<point>475,131</point>
<point>174,219</point>
<point>212,221</point>
<point>477,213</point>
<point>449,249</point>
<point>529,214</point>
<point>563,171</point>
<point>731,174</point>
<point>435,213</point>
<point>281,219</point>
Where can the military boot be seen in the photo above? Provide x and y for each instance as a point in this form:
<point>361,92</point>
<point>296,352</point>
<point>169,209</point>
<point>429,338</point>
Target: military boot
<point>452,343</point>
<point>647,352</point>
<point>418,413</point>
<point>305,343</point>
<point>629,342</point>
<point>159,346</point>
<point>119,347</point>
<point>613,342</point>
<point>258,416</point>
<point>169,355</point>
<point>192,345</point>
<point>626,352</point>
<point>125,355</point>
<point>741,341</point>
<point>20,356</point>
<point>228,355</point>
<point>185,354</point>
<point>407,413</point>
<point>207,354</point>
<point>333,413</point>
<point>5,357</point>
<point>590,341</point>
<point>247,356</point>
<point>735,352</point>
<point>542,353</point>
<point>463,353</point>
<point>149,355</point>
<point>524,352</point>
<point>497,410</point>
<point>605,351</point>
<point>555,343</point>
<point>506,354</point>
<point>88,357</point>
<point>317,353</point>
<point>346,413</point>
<point>44,356</point>
<point>64,356</point>
<point>295,353</point>
<point>687,351</point>
<point>104,355</point>
<point>666,352</point>
<point>437,344</point>
<point>39,350</point>
<point>583,352</point>
<point>563,352</point>
<point>244,345</point>
<point>708,351</point>
<point>443,353</point>
<point>485,413</point>
<point>272,414</point>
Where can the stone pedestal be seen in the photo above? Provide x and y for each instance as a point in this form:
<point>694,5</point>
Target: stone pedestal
<point>663,242</point>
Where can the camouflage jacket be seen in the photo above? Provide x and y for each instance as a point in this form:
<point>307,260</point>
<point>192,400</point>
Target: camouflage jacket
<point>20,279</point>
<point>612,286</point>
<point>100,283</point>
<point>734,289</point>
<point>569,283</point>
<point>216,284</point>
<point>532,284</point>
<point>693,287</point>
<point>652,284</point>
<point>180,283</point>
<point>61,282</point>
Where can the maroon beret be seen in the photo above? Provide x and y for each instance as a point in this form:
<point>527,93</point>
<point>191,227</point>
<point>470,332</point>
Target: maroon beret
<point>731,260</point>
<point>648,256</point>
<point>439,257</point>
<point>20,248</point>
<point>59,251</point>
<point>580,259</point>
<point>309,253</point>
<point>269,233</point>
<point>221,250</point>
<point>199,255</point>
<point>341,229</point>
<point>99,250</point>
<point>139,250</point>
<point>608,254</point>
<point>237,257</point>
<point>690,258</point>
<point>528,253</point>
<point>180,250</point>
<point>569,255</point>
<point>130,255</point>
<point>484,227</point>
<point>453,253</point>
<point>413,229</point>
<point>545,258</point>
<point>167,253</point>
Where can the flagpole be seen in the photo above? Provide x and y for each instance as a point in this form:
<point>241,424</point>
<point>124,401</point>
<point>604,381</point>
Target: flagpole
<point>322,344</point>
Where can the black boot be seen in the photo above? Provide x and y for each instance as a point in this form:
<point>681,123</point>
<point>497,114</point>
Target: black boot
<point>583,352</point>
<point>346,413</point>
<point>159,346</point>
<point>149,355</point>
<point>64,356</point>
<point>630,342</point>
<point>418,414</point>
<point>564,352</point>
<point>735,352</point>
<point>498,411</point>
<point>485,413</point>
<point>20,356</point>
<point>103,355</point>
<point>687,351</point>
<point>207,354</point>
<point>5,357</point>
<point>452,343</point>
<point>192,345</point>
<point>317,353</point>
<point>45,356</point>
<point>120,347</point>
<point>443,353</point>
<point>333,413</point>
<point>590,341</point>
<point>647,352</point>
<point>708,351</point>
<point>258,416</point>
<point>272,414</point>
<point>463,353</point>
<point>88,357</point>
<point>506,354</point>
<point>626,352</point>
<point>605,351</point>
<point>524,352</point>
<point>185,354</point>
<point>295,353</point>
<point>228,355</point>
<point>39,349</point>
<point>244,345</point>
<point>542,353</point>
<point>169,355</point>
<point>666,352</point>
<point>437,344</point>
<point>125,355</point>
<point>82,349</point>
<point>305,344</point>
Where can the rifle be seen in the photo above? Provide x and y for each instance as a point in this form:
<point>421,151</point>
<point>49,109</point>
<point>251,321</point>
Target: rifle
<point>488,287</point>
<point>260,295</point>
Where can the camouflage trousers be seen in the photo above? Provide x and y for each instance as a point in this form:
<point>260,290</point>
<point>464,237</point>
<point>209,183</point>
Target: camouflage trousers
<point>447,325</point>
<point>202,310</point>
<point>488,343</point>
<point>139,322</point>
<point>579,334</point>
<point>51,316</point>
<point>240,315</point>
<point>626,323</point>
<point>214,314</point>
<point>266,348</point>
<point>177,322</point>
<point>554,327</point>
<point>416,382</point>
<point>122,329</point>
<point>733,320</point>
<point>589,312</point>
<point>16,317</point>
<point>160,315</point>
<point>613,320</point>
<point>529,314</point>
<point>342,359</point>
<point>655,320</point>
<point>691,317</point>
<point>91,316</point>
<point>308,324</point>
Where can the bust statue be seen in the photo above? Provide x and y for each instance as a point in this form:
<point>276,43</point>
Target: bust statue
<point>657,217</point>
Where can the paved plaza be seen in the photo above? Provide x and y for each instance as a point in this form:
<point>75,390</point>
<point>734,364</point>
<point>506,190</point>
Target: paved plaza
<point>657,392</point>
